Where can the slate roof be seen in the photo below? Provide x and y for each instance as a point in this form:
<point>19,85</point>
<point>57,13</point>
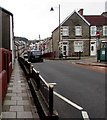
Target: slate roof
<point>93,20</point>
<point>96,19</point>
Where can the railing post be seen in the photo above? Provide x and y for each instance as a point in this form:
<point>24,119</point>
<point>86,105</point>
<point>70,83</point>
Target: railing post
<point>31,70</point>
<point>29,67</point>
<point>38,80</point>
<point>51,99</point>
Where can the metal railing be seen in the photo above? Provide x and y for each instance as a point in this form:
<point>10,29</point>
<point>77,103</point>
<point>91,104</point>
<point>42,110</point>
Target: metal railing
<point>45,89</point>
<point>39,83</point>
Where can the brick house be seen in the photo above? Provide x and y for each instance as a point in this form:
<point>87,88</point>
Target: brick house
<point>78,34</point>
<point>20,45</point>
<point>47,45</point>
<point>98,24</point>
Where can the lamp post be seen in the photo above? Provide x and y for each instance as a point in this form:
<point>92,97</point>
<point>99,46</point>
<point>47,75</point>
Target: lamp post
<point>52,9</point>
<point>98,44</point>
<point>98,40</point>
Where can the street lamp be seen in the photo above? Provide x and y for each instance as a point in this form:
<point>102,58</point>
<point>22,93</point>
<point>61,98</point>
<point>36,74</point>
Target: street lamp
<point>98,40</point>
<point>52,9</point>
<point>98,44</point>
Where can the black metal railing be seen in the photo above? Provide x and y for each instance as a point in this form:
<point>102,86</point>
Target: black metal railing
<point>45,89</point>
<point>39,83</point>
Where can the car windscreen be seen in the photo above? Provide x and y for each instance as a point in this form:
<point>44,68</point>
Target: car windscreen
<point>25,53</point>
<point>36,52</point>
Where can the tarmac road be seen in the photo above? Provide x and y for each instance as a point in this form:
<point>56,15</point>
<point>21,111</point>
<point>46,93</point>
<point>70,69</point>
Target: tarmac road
<point>75,86</point>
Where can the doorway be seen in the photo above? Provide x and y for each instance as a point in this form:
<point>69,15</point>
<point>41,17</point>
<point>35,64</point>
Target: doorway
<point>65,49</point>
<point>93,48</point>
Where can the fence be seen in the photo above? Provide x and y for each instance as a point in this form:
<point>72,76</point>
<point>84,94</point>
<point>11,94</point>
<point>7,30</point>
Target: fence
<point>39,84</point>
<point>5,70</point>
<point>45,89</point>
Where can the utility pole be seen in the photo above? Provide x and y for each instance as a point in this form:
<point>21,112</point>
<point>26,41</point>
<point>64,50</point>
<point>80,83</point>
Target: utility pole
<point>98,45</point>
<point>59,31</point>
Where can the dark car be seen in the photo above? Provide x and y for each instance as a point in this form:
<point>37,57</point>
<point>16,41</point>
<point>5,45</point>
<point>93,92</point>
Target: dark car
<point>35,56</point>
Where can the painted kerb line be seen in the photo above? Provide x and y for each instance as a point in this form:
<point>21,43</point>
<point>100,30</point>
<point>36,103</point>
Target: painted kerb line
<point>68,101</point>
<point>84,113</point>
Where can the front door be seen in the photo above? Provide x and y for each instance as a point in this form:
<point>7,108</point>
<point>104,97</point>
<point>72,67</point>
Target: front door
<point>65,49</point>
<point>93,48</point>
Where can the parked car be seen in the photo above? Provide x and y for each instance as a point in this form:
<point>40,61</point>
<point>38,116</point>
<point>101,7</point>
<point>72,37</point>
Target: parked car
<point>35,56</point>
<point>25,54</point>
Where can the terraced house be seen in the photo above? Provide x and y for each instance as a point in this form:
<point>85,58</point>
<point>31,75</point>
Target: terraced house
<point>78,34</point>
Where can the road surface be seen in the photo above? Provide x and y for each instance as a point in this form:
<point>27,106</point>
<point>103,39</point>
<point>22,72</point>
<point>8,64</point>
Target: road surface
<point>77,89</point>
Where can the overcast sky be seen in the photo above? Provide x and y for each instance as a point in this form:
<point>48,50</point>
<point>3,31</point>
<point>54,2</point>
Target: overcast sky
<point>33,17</point>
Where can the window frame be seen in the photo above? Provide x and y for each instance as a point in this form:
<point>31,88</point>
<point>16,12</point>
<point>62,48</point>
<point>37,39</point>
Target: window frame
<point>78,30</point>
<point>104,30</point>
<point>65,30</point>
<point>93,33</point>
<point>78,46</point>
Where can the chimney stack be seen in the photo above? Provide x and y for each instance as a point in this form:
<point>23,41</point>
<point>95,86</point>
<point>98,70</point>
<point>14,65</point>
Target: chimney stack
<point>81,12</point>
<point>104,14</point>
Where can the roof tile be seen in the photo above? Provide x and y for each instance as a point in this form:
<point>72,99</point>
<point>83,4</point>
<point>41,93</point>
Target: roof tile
<point>96,19</point>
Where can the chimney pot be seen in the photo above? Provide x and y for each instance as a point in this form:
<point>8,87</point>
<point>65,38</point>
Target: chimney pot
<point>81,11</point>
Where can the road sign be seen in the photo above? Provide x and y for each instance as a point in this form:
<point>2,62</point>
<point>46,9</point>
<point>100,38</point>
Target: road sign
<point>97,34</point>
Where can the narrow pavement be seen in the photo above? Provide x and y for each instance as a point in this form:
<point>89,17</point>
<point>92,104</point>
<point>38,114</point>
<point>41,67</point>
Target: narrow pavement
<point>18,102</point>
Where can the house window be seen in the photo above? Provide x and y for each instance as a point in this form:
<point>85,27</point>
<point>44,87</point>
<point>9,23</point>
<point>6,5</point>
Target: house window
<point>78,30</point>
<point>65,31</point>
<point>105,30</point>
<point>93,30</point>
<point>104,45</point>
<point>78,46</point>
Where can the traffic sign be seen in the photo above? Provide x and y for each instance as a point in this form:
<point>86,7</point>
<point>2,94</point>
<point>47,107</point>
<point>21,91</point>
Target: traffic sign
<point>97,34</point>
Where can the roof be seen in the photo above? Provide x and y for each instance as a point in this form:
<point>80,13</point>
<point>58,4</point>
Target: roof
<point>96,19</point>
<point>78,15</point>
<point>90,19</point>
<point>6,11</point>
<point>70,16</point>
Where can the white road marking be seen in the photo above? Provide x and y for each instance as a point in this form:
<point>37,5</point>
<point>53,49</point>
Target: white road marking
<point>68,101</point>
<point>85,115</point>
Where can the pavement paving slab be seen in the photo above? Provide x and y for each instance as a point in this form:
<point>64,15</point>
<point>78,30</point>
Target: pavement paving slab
<point>8,114</point>
<point>24,115</point>
<point>16,108</point>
